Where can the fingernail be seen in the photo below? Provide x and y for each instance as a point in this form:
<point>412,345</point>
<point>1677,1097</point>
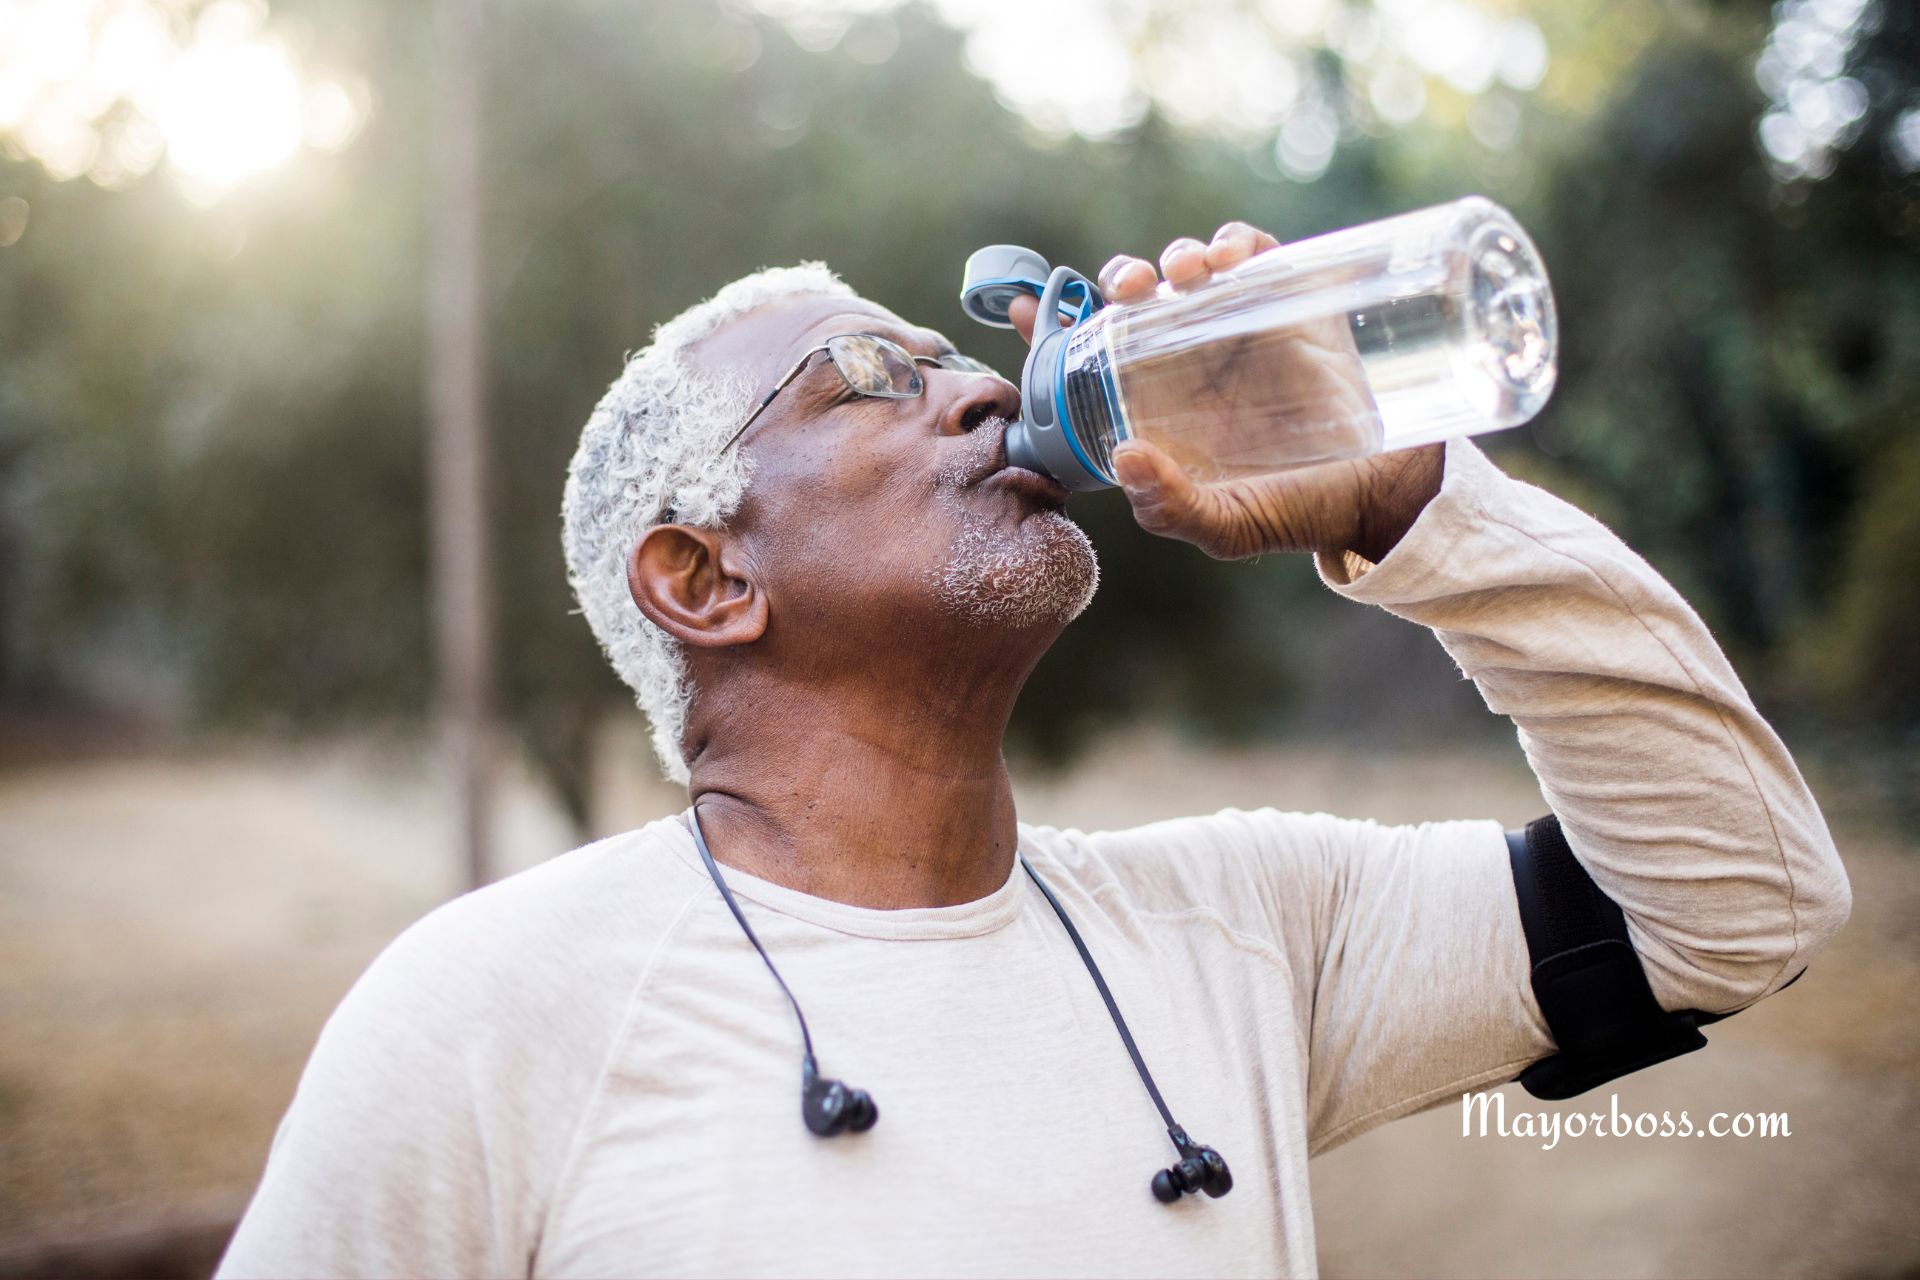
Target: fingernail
<point>1133,471</point>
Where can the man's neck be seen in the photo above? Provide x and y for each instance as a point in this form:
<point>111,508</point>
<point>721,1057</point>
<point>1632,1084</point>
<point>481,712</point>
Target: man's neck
<point>901,803</point>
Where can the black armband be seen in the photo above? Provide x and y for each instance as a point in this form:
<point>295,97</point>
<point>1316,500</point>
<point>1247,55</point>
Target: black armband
<point>1586,974</point>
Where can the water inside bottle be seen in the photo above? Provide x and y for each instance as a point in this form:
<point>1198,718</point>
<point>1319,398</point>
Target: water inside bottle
<point>1230,403</point>
<point>1296,364</point>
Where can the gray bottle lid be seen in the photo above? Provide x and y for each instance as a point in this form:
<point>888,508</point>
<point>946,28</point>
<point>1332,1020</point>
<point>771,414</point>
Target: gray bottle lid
<point>995,276</point>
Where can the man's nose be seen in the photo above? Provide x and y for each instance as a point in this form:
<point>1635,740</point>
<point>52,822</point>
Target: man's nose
<point>981,397</point>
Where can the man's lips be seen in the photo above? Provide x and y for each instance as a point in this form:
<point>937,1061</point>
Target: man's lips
<point>999,473</point>
<point>1031,485</point>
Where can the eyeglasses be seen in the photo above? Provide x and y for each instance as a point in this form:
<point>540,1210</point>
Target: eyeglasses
<point>871,366</point>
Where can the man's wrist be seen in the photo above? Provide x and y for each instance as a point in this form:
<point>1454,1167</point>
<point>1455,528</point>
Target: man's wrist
<point>1404,486</point>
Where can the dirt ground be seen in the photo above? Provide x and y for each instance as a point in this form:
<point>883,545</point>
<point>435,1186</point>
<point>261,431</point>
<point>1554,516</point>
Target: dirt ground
<point>173,931</point>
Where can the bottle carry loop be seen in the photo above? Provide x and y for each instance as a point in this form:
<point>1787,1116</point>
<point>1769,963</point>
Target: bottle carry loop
<point>1586,974</point>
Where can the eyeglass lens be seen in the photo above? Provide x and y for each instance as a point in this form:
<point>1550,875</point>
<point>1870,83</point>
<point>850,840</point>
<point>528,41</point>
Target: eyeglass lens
<point>874,366</point>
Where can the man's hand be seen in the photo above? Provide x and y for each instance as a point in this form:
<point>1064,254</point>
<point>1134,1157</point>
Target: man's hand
<point>1362,506</point>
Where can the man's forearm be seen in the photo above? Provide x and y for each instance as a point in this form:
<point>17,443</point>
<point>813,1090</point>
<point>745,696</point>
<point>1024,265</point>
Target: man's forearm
<point>1679,798</point>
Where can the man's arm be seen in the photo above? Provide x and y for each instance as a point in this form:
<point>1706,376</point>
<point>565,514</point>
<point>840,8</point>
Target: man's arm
<point>1409,961</point>
<point>1674,793</point>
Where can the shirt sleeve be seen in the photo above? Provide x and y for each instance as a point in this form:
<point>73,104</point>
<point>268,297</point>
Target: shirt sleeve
<point>381,1163</point>
<point>1672,790</point>
<point>391,1160</point>
<point>440,1101</point>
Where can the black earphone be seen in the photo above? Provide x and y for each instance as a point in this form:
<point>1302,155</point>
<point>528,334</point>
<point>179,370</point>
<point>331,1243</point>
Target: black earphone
<point>1201,1170</point>
<point>829,1107</point>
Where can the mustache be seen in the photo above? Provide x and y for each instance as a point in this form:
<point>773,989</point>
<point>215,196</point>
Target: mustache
<point>981,453</point>
<point>994,429</point>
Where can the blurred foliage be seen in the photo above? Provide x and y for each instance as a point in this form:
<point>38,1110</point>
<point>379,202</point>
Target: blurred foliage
<point>1866,667</point>
<point>210,477</point>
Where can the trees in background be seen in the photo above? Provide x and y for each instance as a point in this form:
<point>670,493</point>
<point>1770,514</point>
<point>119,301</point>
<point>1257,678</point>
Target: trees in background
<point>211,493</point>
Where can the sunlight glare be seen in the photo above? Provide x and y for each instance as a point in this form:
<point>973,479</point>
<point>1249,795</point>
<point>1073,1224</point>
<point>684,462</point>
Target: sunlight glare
<point>1247,70</point>
<point>229,109</point>
<point>108,88</point>
<point>1817,110</point>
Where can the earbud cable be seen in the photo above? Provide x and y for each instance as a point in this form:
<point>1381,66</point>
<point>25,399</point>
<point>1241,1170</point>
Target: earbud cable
<point>1120,1023</point>
<point>700,843</point>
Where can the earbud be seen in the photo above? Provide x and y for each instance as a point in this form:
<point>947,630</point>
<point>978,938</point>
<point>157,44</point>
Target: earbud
<point>1200,1169</point>
<point>829,1107</point>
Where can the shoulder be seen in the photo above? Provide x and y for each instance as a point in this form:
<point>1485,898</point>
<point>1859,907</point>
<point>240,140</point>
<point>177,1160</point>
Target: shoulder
<point>441,1099</point>
<point>1232,858</point>
<point>561,941</point>
<point>1263,869</point>
<point>516,990</point>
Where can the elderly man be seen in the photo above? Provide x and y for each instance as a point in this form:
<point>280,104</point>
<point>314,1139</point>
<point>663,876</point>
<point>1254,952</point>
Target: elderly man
<point>792,525</point>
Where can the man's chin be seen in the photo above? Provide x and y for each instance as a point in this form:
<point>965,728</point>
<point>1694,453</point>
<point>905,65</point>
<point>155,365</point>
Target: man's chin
<point>1040,572</point>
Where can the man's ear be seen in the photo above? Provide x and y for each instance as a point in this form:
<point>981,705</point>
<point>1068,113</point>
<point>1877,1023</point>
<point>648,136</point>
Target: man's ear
<point>690,583</point>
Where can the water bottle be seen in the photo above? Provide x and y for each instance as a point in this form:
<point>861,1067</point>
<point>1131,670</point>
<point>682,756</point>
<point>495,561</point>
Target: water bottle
<point>1398,333</point>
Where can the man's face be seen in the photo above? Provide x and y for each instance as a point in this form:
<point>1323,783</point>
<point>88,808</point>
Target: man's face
<point>883,515</point>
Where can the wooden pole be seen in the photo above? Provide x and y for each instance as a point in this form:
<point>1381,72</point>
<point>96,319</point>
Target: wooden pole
<point>456,435</point>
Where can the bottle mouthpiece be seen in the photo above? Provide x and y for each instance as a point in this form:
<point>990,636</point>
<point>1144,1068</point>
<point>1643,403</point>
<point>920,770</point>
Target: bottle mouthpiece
<point>1020,450</point>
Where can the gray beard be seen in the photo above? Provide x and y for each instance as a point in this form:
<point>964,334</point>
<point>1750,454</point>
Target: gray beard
<point>1044,574</point>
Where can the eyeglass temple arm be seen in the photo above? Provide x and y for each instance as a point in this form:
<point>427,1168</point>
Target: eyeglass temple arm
<point>778,387</point>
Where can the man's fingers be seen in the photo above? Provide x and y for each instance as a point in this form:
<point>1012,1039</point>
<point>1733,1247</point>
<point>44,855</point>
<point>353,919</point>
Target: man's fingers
<point>1022,311</point>
<point>1184,263</point>
<point>1127,279</point>
<point>1234,243</point>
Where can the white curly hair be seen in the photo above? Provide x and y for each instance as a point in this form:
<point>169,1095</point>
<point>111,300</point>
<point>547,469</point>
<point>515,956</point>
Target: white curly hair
<point>653,444</point>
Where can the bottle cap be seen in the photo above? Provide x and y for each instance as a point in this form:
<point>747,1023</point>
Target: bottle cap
<point>995,276</point>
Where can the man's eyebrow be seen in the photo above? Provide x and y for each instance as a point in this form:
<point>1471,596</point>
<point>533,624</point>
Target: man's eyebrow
<point>909,340</point>
<point>940,345</point>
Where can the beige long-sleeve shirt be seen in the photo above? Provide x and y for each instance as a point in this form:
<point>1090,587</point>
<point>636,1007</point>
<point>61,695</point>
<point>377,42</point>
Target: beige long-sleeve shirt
<point>584,1070</point>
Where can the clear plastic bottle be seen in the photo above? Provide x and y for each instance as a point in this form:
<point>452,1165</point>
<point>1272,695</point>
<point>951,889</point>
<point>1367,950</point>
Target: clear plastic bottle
<point>1402,332</point>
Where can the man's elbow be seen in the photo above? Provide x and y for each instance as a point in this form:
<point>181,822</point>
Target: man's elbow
<point>1733,970</point>
<point>1821,909</point>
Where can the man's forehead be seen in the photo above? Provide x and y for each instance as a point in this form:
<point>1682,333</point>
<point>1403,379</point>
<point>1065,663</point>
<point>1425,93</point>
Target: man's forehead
<point>768,339</point>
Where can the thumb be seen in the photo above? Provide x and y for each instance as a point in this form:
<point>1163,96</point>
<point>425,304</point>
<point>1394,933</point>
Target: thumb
<point>1164,498</point>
